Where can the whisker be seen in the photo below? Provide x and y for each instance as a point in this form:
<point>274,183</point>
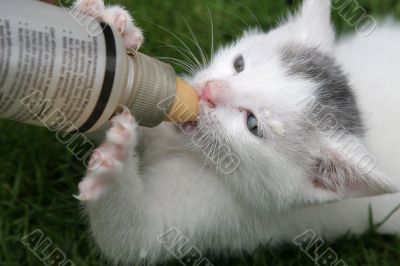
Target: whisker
<point>183,43</point>
<point>187,52</point>
<point>196,42</point>
<point>234,25</point>
<point>249,11</point>
<point>183,52</point>
<point>187,67</point>
<point>237,16</point>
<point>212,32</point>
<point>194,60</point>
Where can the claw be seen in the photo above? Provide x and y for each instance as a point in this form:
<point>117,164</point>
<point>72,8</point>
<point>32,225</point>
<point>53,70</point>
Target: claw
<point>125,110</point>
<point>80,198</point>
<point>122,30</point>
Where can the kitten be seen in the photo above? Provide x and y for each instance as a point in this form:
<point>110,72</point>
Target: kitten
<point>293,126</point>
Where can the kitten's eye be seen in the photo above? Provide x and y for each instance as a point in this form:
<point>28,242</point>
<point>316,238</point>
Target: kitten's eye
<point>252,125</point>
<point>239,64</point>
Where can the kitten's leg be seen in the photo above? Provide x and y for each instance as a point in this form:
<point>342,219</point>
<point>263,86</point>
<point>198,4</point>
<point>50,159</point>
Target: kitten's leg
<point>116,16</point>
<point>134,213</point>
<point>109,161</point>
<point>114,197</point>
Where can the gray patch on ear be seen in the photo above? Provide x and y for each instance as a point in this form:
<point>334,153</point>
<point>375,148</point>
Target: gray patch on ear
<point>333,93</point>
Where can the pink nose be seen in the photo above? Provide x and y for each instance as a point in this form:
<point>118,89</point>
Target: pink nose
<point>214,92</point>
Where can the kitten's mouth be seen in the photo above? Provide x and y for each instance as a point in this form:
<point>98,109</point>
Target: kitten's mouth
<point>189,127</point>
<point>193,126</point>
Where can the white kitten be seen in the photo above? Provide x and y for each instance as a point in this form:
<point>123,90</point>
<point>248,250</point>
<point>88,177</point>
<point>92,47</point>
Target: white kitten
<point>279,138</point>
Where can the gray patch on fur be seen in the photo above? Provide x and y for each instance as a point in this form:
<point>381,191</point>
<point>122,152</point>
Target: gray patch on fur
<point>333,94</point>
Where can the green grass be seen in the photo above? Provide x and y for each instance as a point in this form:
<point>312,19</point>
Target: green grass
<point>38,175</point>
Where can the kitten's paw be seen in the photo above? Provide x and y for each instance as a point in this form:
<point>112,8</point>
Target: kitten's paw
<point>123,129</point>
<point>92,8</point>
<point>116,16</point>
<point>124,23</point>
<point>108,160</point>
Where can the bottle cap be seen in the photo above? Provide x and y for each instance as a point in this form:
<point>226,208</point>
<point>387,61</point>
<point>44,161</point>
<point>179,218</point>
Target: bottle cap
<point>153,91</point>
<point>158,95</point>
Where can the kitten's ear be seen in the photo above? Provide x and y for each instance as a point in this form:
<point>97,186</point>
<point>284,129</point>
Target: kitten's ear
<point>348,171</point>
<point>313,23</point>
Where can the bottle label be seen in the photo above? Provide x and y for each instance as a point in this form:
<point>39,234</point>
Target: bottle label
<point>52,70</point>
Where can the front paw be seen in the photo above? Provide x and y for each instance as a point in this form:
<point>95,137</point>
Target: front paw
<point>115,16</point>
<point>107,161</point>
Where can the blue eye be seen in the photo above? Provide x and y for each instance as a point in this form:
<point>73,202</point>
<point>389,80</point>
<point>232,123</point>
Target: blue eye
<point>252,125</point>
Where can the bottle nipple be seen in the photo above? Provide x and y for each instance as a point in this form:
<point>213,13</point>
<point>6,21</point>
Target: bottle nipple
<point>186,105</point>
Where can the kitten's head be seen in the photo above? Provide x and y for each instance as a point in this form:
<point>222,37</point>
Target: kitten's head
<point>280,119</point>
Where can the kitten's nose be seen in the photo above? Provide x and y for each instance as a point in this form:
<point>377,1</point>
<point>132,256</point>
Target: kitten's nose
<point>214,92</point>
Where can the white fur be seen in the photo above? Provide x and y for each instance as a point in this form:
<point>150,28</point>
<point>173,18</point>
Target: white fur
<point>268,197</point>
